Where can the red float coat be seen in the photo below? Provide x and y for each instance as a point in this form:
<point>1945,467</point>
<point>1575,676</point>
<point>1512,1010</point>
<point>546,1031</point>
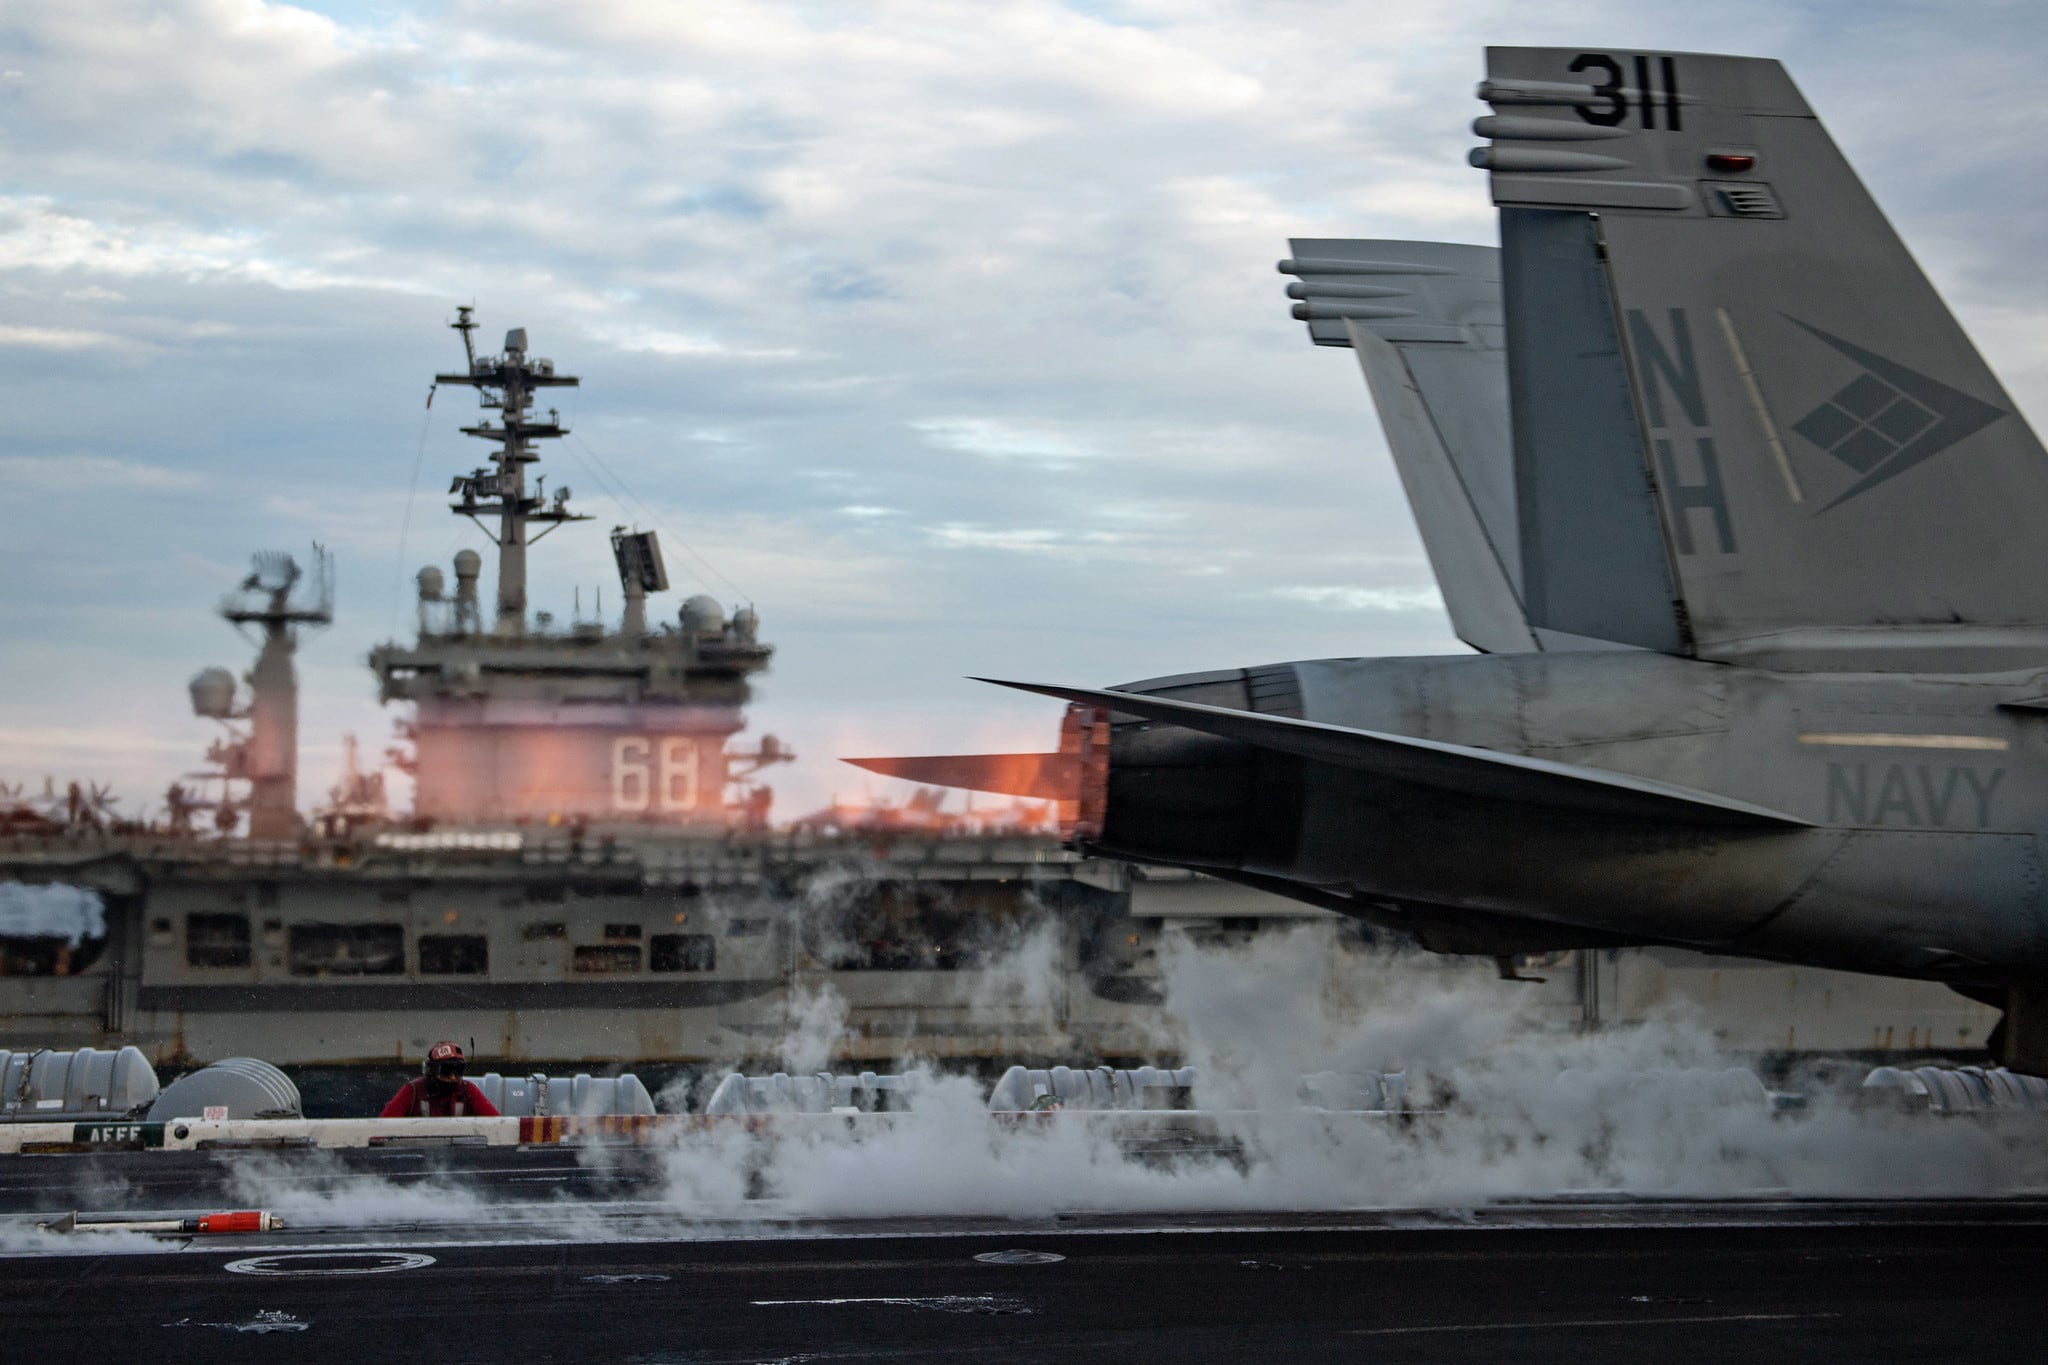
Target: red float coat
<point>414,1099</point>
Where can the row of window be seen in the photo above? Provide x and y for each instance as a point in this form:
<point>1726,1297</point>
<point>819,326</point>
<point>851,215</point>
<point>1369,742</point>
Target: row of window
<point>217,940</point>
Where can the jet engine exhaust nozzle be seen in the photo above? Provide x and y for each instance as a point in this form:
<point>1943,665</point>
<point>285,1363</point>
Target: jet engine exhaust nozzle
<point>1076,775</point>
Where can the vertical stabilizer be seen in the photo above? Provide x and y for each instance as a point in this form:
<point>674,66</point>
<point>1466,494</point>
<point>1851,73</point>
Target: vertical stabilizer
<point>1746,427</point>
<point>1425,321</point>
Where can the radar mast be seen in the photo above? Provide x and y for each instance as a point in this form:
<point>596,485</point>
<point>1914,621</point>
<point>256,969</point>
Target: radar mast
<point>273,605</point>
<point>526,721</point>
<point>508,383</point>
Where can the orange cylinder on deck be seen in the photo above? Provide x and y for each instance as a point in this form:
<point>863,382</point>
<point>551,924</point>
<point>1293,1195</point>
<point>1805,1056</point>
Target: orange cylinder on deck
<point>243,1220</point>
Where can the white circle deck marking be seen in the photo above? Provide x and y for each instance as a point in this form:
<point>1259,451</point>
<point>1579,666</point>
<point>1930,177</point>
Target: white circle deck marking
<point>362,1263</point>
<point>624,1279</point>
<point>1019,1257</point>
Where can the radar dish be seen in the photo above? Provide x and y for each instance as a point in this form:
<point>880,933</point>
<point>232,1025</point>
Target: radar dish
<point>278,592</point>
<point>639,558</point>
<point>274,571</point>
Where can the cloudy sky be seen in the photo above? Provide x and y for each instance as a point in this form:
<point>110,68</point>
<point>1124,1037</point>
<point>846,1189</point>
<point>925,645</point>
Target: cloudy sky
<point>946,333</point>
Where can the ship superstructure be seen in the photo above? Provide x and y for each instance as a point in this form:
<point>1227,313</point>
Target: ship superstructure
<point>276,604</point>
<point>517,722</point>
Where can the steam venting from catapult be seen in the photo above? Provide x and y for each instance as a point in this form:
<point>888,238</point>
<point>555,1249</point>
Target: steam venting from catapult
<point>1501,1104</point>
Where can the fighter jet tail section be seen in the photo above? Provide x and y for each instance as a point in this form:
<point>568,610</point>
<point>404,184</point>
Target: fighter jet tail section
<point>1745,426</point>
<point>1457,768</point>
<point>1425,321</point>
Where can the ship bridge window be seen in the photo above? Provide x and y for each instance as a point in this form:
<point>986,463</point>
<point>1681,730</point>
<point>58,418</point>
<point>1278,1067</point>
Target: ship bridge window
<point>607,957</point>
<point>747,928</point>
<point>547,929</point>
<point>682,953</point>
<point>217,940</point>
<point>454,955</point>
<point>622,931</point>
<point>347,950</point>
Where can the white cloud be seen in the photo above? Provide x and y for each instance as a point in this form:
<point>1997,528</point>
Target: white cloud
<point>998,439</point>
<point>1364,599</point>
<point>36,236</point>
<point>104,475</point>
<point>1024,539</point>
<point>656,341</point>
<point>54,338</point>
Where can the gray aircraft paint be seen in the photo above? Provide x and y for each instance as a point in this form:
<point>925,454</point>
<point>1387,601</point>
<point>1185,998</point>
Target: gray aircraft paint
<point>1920,858</point>
<point>1593,558</point>
<point>1792,291</point>
<point>1888,419</point>
<point>1915,794</point>
<point>1435,361</point>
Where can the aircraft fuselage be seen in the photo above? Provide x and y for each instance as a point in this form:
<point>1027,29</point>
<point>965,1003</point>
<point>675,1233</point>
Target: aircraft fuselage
<point>1923,795</point>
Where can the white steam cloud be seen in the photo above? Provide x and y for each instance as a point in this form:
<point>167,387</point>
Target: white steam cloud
<point>1504,1104</point>
<point>72,913</point>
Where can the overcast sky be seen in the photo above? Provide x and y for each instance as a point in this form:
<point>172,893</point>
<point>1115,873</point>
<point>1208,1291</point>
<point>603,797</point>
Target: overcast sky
<point>947,333</point>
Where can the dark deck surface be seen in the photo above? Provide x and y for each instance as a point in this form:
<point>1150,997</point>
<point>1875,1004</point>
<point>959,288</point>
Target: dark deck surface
<point>1568,1281</point>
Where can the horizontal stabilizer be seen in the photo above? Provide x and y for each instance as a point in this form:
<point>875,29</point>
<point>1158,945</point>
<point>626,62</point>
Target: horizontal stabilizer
<point>1433,763</point>
<point>1049,777</point>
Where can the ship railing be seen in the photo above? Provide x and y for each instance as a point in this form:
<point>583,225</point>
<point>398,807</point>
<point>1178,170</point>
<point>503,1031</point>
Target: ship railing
<point>260,853</point>
<point>450,841</point>
<point>75,845</point>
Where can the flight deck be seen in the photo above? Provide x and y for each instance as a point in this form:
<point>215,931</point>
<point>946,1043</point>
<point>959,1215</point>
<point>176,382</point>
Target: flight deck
<point>1579,1280</point>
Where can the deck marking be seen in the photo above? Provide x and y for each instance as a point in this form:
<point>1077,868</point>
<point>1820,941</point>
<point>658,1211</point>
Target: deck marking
<point>267,1320</point>
<point>1586,1322</point>
<point>624,1279</point>
<point>367,1263</point>
<point>1019,1257</point>
<point>937,1303</point>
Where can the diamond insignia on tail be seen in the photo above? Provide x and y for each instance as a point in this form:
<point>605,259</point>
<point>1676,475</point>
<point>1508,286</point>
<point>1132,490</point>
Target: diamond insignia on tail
<point>1888,419</point>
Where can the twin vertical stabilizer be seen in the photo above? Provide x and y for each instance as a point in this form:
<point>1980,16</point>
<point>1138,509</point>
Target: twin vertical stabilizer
<point>1745,426</point>
<point>1425,321</point>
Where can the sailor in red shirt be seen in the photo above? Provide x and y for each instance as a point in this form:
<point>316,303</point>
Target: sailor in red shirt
<point>440,1091</point>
